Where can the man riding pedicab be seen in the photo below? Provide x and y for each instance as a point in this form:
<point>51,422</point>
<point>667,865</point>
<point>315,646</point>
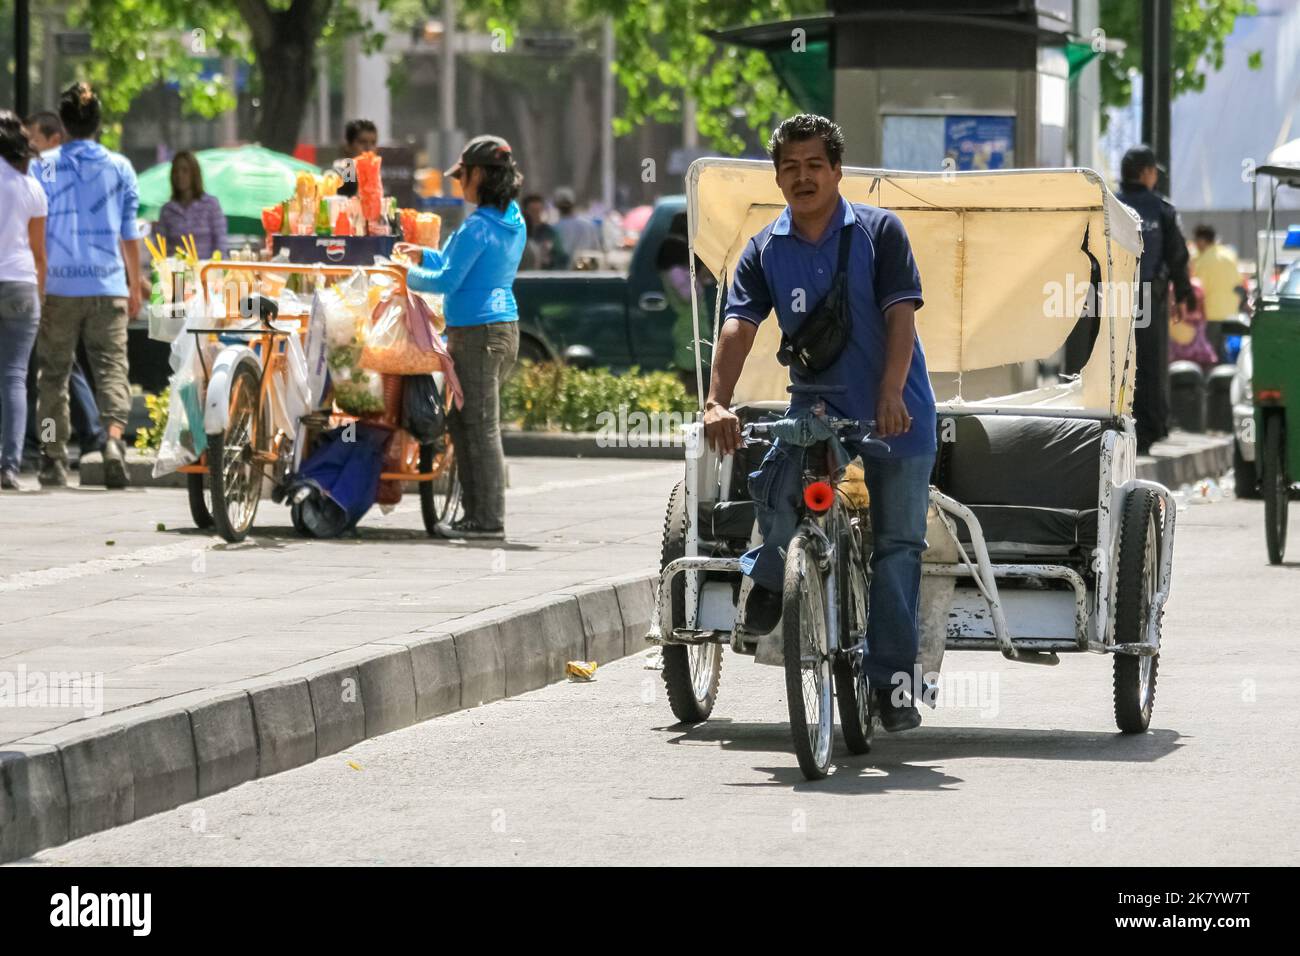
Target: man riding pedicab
<point>843,273</point>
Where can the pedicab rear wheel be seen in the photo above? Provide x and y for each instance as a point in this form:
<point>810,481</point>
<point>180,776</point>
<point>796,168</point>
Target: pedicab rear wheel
<point>233,473</point>
<point>199,509</point>
<point>438,505</point>
<point>852,694</point>
<point>1275,488</point>
<point>1137,581</point>
<point>808,682</point>
<point>692,672</point>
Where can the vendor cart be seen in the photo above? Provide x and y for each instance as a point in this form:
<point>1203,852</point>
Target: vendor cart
<point>256,434</point>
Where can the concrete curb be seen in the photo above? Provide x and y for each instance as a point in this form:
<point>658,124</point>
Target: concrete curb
<point>1201,456</point>
<point>106,771</point>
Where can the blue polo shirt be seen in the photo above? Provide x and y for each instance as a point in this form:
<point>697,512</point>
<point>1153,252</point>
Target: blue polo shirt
<point>780,270</point>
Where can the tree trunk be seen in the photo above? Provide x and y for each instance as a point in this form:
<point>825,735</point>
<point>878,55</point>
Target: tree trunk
<point>284,45</point>
<point>288,78</point>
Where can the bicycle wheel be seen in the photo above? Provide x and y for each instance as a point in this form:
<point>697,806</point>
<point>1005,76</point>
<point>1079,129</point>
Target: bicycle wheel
<point>807,660</point>
<point>1275,486</point>
<point>691,672</point>
<point>234,475</point>
<point>440,498</point>
<point>852,695</point>
<point>199,510</point>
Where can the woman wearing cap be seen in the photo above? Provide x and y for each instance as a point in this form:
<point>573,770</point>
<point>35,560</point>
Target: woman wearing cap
<point>475,271</point>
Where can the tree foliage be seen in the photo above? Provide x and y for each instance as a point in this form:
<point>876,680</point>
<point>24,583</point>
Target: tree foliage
<point>1201,28</point>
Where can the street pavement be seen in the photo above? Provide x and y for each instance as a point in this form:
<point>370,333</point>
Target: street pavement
<point>1032,771</point>
<point>122,584</point>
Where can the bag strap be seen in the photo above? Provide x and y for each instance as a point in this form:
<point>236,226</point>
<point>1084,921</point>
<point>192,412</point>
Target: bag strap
<point>846,239</point>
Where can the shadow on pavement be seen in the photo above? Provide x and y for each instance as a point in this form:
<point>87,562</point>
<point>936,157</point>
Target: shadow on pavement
<point>897,762</point>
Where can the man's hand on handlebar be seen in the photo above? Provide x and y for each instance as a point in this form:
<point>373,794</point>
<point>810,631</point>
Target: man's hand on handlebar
<point>721,429</point>
<point>892,417</point>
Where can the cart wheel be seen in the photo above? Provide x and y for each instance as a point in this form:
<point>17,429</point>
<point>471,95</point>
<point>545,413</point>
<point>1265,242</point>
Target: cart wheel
<point>439,507</point>
<point>807,661</point>
<point>199,509</point>
<point>1274,486</point>
<point>1245,475</point>
<point>692,672</point>
<point>851,692</point>
<point>295,515</point>
<point>1137,580</point>
<point>235,478</point>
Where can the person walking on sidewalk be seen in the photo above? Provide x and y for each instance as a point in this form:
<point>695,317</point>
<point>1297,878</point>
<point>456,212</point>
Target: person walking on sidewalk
<point>22,284</point>
<point>93,286</point>
<point>819,241</point>
<point>475,271</point>
<point>1220,274</point>
<point>46,132</point>
<point>1164,258</point>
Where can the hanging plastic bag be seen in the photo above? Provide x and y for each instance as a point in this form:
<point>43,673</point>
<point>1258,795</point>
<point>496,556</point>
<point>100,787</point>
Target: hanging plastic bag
<point>184,438</point>
<point>388,345</point>
<point>423,412</point>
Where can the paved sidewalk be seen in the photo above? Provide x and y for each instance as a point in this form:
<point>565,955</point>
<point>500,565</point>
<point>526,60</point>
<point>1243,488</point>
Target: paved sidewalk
<point>121,584</point>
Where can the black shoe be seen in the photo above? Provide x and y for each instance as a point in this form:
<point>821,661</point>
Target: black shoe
<point>53,473</point>
<point>762,610</point>
<point>895,717</point>
<point>470,529</point>
<point>115,464</point>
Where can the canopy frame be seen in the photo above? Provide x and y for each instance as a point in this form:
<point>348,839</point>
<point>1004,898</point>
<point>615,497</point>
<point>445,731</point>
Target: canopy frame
<point>1120,230</point>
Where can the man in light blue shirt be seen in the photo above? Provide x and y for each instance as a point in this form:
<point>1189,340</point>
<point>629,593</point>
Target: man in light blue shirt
<point>92,286</point>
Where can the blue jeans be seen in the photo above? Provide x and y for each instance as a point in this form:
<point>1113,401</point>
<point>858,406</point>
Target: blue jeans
<point>20,317</point>
<point>900,495</point>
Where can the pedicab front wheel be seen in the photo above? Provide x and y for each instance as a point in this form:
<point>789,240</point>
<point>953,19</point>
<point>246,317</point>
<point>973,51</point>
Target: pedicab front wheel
<point>1138,576</point>
<point>852,694</point>
<point>692,672</point>
<point>233,473</point>
<point>1275,487</point>
<point>807,660</point>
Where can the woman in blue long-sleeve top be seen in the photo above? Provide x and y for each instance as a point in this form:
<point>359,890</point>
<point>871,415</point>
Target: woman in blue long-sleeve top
<point>475,272</point>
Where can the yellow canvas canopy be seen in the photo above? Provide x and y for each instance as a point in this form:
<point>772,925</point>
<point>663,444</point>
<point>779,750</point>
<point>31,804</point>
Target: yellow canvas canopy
<point>1002,268</point>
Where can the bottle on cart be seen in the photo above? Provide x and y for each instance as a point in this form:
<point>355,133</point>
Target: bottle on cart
<point>394,221</point>
<point>323,219</point>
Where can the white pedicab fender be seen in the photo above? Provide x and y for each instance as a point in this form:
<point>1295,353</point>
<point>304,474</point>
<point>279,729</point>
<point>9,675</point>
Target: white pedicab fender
<point>216,406</point>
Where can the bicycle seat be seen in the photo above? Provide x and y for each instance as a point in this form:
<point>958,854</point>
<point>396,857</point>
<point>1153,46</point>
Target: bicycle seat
<point>259,307</point>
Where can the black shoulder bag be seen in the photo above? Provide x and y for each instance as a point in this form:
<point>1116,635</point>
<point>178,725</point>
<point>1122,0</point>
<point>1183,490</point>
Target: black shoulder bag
<point>820,339</point>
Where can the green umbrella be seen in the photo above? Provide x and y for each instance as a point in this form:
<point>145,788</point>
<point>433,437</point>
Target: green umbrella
<point>244,179</point>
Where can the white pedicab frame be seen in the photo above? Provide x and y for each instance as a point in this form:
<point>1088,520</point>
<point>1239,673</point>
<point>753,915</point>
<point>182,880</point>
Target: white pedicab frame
<point>992,248</point>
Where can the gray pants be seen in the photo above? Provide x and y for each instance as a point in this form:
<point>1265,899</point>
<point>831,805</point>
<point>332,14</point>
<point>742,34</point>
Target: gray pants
<point>484,356</point>
<point>100,322</point>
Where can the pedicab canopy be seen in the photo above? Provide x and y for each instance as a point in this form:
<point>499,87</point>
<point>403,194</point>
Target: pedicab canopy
<point>1002,262</point>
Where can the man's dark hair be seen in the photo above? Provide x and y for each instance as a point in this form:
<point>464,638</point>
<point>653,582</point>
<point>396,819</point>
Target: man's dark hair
<point>807,126</point>
<point>532,198</point>
<point>80,110</point>
<point>1206,232</point>
<point>499,185</point>
<point>356,127</point>
<point>48,122</point>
